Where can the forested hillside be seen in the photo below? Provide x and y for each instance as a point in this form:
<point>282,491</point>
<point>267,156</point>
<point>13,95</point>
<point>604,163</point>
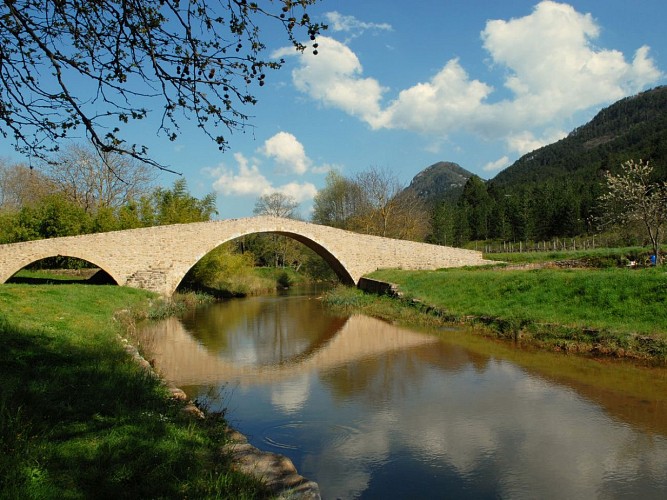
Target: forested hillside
<point>553,192</point>
<point>634,127</point>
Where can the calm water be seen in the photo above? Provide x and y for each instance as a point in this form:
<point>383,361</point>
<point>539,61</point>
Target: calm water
<point>369,410</point>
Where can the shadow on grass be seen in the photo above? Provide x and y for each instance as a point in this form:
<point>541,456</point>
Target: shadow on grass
<point>85,422</point>
<point>101,277</point>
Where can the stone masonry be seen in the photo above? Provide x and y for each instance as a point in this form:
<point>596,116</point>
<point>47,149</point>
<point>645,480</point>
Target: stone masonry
<point>157,258</point>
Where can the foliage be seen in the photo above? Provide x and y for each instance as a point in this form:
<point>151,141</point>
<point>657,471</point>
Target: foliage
<point>100,65</point>
<point>475,208</point>
<point>56,214</point>
<point>284,280</point>
<point>177,206</point>
<point>337,203</point>
<point>374,202</point>
<point>223,271</point>
<point>632,197</point>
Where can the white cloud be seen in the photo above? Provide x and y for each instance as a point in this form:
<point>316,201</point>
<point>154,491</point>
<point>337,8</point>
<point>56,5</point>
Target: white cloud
<point>338,22</point>
<point>499,164</point>
<point>553,70</point>
<point>247,180</point>
<point>289,397</point>
<point>333,77</point>
<point>288,152</point>
<point>525,142</point>
<point>437,104</point>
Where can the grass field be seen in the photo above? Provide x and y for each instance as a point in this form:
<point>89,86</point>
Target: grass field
<point>80,419</point>
<point>621,311</point>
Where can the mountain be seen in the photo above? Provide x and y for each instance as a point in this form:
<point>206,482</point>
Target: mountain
<point>441,181</point>
<point>554,191</point>
<point>632,128</point>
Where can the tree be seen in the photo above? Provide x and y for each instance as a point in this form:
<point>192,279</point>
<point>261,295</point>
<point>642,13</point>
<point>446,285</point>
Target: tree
<point>176,206</point>
<point>374,202</point>
<point>276,250</point>
<point>337,203</point>
<point>99,65</point>
<point>475,205</point>
<point>632,197</point>
<point>99,181</point>
<point>21,186</point>
<point>54,216</point>
<point>276,205</point>
<point>380,189</point>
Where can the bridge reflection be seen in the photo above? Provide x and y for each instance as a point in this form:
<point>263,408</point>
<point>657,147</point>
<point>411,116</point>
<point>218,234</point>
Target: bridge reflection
<point>184,361</point>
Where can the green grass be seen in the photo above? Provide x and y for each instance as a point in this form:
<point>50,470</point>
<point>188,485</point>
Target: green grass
<point>620,311</point>
<point>80,419</point>
<point>598,257</point>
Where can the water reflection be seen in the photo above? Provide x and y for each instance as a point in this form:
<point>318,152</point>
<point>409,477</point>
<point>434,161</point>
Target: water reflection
<point>369,410</point>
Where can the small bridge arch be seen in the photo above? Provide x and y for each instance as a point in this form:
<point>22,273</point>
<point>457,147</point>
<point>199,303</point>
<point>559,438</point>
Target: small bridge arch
<point>157,258</point>
<point>24,260</point>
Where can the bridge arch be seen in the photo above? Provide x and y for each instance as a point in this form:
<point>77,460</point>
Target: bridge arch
<point>24,261</point>
<point>334,262</point>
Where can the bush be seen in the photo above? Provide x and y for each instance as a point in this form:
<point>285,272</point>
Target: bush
<point>284,280</point>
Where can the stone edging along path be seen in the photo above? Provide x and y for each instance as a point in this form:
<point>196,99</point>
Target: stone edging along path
<point>276,471</point>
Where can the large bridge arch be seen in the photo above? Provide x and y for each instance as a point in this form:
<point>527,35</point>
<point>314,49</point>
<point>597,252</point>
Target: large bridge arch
<point>158,258</point>
<point>332,260</point>
<point>309,240</point>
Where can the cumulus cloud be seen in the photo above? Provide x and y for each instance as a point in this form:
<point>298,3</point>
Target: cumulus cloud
<point>553,67</point>
<point>287,152</point>
<point>300,191</point>
<point>247,180</point>
<point>553,70</point>
<point>437,104</point>
<point>333,77</point>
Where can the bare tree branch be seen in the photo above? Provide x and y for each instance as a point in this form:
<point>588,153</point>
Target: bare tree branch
<point>96,66</point>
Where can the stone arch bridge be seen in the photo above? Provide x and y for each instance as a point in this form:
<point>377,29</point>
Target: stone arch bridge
<point>157,258</point>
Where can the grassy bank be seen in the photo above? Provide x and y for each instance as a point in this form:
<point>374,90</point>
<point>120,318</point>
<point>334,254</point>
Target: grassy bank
<point>609,311</point>
<point>80,419</point>
<point>252,281</point>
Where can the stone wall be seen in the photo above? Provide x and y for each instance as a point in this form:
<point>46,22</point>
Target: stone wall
<point>157,258</point>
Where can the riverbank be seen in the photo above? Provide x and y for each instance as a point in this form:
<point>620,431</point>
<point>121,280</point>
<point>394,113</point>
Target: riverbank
<point>610,312</point>
<point>79,418</point>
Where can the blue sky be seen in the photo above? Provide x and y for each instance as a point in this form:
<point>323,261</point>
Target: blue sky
<point>476,82</point>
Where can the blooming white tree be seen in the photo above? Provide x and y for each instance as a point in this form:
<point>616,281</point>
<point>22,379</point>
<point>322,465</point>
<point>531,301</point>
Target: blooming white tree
<point>633,198</point>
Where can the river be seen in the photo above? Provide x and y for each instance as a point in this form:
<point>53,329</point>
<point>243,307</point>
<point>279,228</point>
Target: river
<point>370,410</point>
